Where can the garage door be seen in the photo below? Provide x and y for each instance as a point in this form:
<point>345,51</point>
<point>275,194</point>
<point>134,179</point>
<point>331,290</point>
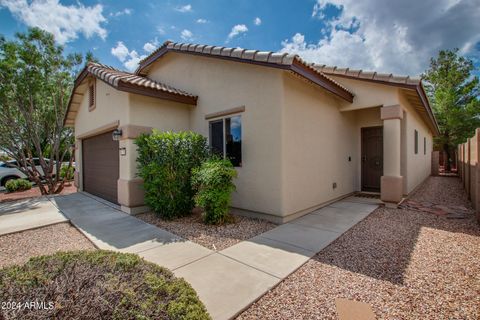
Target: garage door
<point>101,166</point>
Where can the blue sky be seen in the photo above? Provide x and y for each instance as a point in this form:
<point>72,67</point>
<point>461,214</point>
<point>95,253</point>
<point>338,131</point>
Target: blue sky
<point>387,36</point>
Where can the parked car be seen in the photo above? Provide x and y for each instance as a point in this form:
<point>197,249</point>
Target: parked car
<point>8,171</point>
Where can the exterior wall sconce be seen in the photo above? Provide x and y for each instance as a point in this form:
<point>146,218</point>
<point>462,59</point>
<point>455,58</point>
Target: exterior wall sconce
<point>116,134</point>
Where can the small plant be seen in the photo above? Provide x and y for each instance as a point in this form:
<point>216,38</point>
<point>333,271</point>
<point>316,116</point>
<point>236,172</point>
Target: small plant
<point>66,172</point>
<point>18,185</point>
<point>214,184</point>
<point>165,162</point>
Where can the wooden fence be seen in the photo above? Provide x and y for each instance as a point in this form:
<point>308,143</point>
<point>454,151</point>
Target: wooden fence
<point>469,169</point>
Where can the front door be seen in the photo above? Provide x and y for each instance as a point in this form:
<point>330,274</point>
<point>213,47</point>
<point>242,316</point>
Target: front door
<point>372,158</point>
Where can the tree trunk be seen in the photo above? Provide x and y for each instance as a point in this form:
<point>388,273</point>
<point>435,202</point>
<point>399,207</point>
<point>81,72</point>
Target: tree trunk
<point>447,159</point>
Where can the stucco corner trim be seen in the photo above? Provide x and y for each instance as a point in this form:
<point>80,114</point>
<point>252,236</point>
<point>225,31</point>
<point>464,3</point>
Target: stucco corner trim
<point>391,112</point>
<point>130,192</point>
<point>131,131</point>
<point>225,112</point>
<point>105,128</point>
<point>391,189</point>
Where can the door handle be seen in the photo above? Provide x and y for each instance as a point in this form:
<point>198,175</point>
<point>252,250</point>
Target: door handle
<point>364,158</point>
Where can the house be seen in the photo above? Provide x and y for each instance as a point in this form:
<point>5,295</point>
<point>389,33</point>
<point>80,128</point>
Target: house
<point>301,135</point>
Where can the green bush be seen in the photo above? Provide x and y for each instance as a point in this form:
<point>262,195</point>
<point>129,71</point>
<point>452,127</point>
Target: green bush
<point>165,162</point>
<point>66,172</point>
<point>97,285</point>
<point>18,185</point>
<point>213,182</point>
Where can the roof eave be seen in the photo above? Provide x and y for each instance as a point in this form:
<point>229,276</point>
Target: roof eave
<point>296,66</point>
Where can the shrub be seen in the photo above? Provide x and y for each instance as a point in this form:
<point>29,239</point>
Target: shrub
<point>18,185</point>
<point>97,285</point>
<point>66,172</point>
<point>165,163</point>
<point>213,182</point>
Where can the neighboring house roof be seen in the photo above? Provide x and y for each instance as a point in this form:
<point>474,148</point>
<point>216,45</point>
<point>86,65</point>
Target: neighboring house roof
<point>123,81</point>
<point>286,61</point>
<point>417,98</point>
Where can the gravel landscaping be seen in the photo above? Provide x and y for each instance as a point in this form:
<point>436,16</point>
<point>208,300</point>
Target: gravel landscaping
<point>406,264</point>
<point>209,236</point>
<point>17,248</point>
<point>32,193</point>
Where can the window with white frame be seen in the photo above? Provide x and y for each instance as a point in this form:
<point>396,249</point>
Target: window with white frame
<point>226,138</point>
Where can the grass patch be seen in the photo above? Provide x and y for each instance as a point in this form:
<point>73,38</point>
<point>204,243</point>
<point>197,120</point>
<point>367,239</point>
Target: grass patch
<point>97,285</point>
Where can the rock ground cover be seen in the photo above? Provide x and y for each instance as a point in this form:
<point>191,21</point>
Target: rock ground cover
<point>407,264</point>
<point>17,248</point>
<point>212,237</point>
<point>32,193</point>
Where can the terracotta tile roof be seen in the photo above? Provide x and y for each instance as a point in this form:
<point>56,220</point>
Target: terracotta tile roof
<point>286,61</point>
<point>113,77</point>
<point>367,75</point>
<point>122,81</point>
<point>419,98</point>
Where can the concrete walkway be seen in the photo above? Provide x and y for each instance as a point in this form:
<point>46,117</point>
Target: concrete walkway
<point>227,281</point>
<point>111,229</point>
<point>28,214</point>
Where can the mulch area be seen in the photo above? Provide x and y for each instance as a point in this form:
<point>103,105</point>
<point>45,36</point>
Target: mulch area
<point>32,193</point>
<point>406,263</point>
<point>212,237</point>
<point>17,248</point>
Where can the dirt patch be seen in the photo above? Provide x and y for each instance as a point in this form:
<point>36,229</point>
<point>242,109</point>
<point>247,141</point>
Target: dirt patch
<point>212,237</point>
<point>32,193</point>
<point>405,263</point>
<point>17,248</point>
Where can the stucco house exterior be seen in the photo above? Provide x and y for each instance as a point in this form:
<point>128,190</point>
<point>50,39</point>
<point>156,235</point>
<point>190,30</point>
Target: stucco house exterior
<point>300,135</point>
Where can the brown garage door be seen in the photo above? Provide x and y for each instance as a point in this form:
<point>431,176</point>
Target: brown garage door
<point>101,166</point>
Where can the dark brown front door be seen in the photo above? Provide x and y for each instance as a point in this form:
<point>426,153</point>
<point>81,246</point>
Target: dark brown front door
<point>101,166</point>
<point>372,158</point>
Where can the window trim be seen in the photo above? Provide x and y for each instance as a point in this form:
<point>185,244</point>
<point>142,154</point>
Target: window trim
<point>223,118</point>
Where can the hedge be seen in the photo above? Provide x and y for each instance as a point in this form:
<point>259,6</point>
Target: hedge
<point>165,162</point>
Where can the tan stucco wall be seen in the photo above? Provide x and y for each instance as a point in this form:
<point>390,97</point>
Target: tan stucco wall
<point>417,166</point>
<point>110,105</point>
<point>367,94</point>
<point>222,85</point>
<point>317,141</point>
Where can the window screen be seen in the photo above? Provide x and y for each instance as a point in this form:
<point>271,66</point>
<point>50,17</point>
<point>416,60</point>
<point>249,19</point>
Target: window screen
<point>226,138</point>
<point>216,137</point>
<point>416,142</point>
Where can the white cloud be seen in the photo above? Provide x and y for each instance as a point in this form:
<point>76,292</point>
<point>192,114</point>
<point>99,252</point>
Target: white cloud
<point>150,46</point>
<point>120,51</point>
<point>202,21</point>
<point>389,36</point>
<point>185,8</point>
<point>64,22</point>
<point>124,12</point>
<point>257,21</point>
<point>130,59</point>
<point>236,30</point>
<point>186,35</point>
<point>161,30</point>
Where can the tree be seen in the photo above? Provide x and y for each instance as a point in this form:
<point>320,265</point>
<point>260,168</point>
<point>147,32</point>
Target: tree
<point>35,84</point>
<point>454,93</point>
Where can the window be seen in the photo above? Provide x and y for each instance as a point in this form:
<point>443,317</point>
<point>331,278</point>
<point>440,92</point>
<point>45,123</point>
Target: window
<point>226,138</point>
<point>424,145</point>
<point>416,142</point>
<point>91,97</point>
